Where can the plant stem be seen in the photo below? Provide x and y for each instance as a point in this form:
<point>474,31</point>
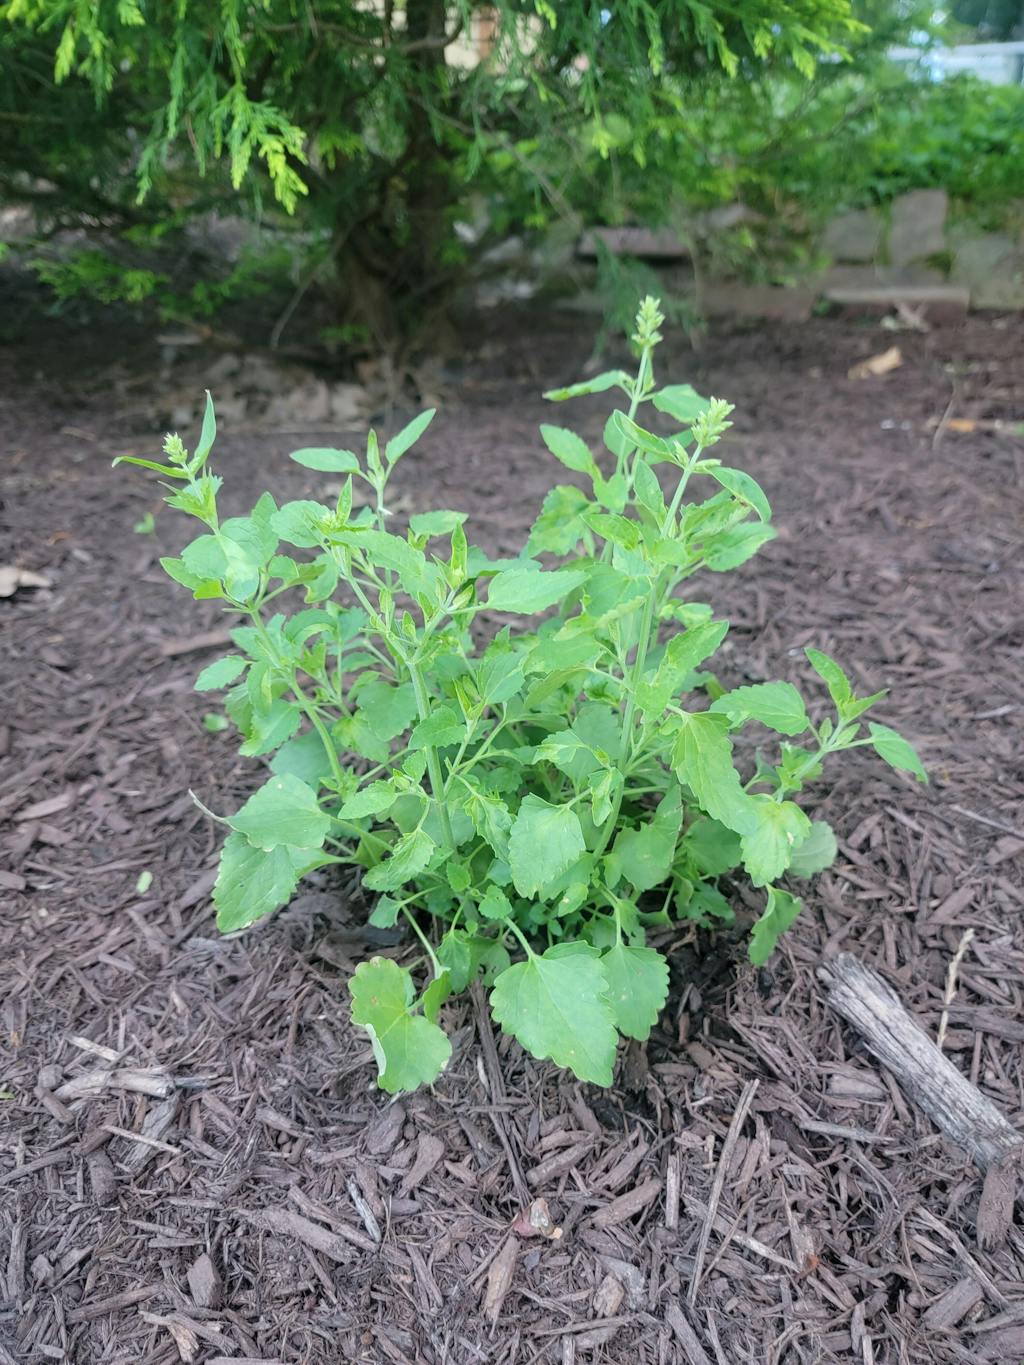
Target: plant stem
<point>437,789</point>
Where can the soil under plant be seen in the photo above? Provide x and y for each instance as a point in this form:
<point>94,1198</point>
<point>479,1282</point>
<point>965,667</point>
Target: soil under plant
<point>169,1094</point>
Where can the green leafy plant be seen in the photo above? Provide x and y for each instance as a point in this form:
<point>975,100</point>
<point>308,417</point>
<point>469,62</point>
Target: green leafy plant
<point>551,794</point>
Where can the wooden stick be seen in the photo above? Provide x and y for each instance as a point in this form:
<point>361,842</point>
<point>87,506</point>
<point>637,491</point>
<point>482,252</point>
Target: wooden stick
<point>933,1083</point>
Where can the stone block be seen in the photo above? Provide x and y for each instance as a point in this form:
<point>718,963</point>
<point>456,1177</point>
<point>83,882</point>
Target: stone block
<point>991,266</point>
<point>917,227</point>
<point>855,236</point>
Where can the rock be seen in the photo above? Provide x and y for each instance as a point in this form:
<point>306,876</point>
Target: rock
<point>648,243</point>
<point>855,236</point>
<point>734,299</point>
<point>991,266</point>
<point>917,228</point>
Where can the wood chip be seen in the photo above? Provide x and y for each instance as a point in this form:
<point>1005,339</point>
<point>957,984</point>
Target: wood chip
<point>953,1306</point>
<point>608,1297</point>
<point>499,1279</point>
<point>204,1283</point>
<point>429,1151</point>
<point>294,1225</point>
<point>628,1204</point>
<point>150,1082</point>
<point>686,1336</point>
<point>102,1178</point>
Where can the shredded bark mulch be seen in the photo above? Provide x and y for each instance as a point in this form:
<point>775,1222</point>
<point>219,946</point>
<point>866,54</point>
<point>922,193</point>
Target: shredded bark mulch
<point>195,1163</point>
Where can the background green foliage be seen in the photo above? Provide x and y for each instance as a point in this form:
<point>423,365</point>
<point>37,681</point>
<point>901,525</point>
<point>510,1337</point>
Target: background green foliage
<point>346,122</point>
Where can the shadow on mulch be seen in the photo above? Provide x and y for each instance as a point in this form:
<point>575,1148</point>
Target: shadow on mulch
<point>195,1162</point>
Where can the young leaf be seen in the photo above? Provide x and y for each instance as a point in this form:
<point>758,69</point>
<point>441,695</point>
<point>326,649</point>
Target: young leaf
<point>733,547</point>
<point>741,485</point>
<point>283,811</point>
<point>619,530</point>
<point>387,710</point>
<point>569,448</point>
<point>815,853</point>
<point>410,1050</point>
<point>530,590</point>
<point>495,904</point>
<point>780,912</point>
<point>408,858</point>
<point>599,384</point>
<point>376,799</point>
<point>557,1007</point>
<point>832,676</point>
<point>207,436</point>
<point>896,751</point>
<point>767,850</point>
<point>408,436</point>
<point>221,674</point>
<point>431,524</point>
<point>681,402</point>
<point>435,995</point>
<point>545,840</point>
<point>775,704</point>
<point>326,460</point>
<point>442,727</point>
<point>702,758</point>
<point>636,436</point>
<point>637,988</point>
<point>253,882</point>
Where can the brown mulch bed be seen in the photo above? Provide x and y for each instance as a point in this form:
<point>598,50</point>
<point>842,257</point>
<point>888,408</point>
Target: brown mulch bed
<point>195,1163</point>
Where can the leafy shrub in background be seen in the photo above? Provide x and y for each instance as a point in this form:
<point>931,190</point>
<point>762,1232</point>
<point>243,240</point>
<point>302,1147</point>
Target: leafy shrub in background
<point>529,802</point>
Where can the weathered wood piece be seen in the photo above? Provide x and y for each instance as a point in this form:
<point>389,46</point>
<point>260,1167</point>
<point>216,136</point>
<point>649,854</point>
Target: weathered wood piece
<point>933,1083</point>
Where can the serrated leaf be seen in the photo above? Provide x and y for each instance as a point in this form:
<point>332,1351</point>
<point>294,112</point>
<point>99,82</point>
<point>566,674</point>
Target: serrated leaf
<point>767,850</point>
<point>253,882</point>
<point>637,988</point>
<point>326,460</point>
<point>683,653</point>
<point>270,728</point>
<point>775,704</point>
<point>410,1051</point>
<point>376,799</point>
<point>431,524</point>
<point>495,904</point>
<point>741,485</point>
<point>815,853</point>
<point>702,758</point>
<point>644,440</point>
<point>897,751</point>
<point>557,1006</point>
<point>442,727</point>
<point>544,841</point>
<point>305,757</point>
<point>681,402</point>
<point>528,590</point>
<point>384,914</point>
<point>283,811</point>
<point>713,848</point>
<point>221,674</point>
<point>296,521</point>
<point>570,449</point>
<point>599,384</point>
<point>832,675</point>
<point>610,526</point>
<point>644,856</point>
<point>388,710</point>
<point>780,912</point>
<point>729,549</point>
<point>408,858</point>
<point>408,436</point>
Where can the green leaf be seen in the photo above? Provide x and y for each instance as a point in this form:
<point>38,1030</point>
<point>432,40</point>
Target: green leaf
<point>637,988</point>
<point>767,850</point>
<point>815,853</point>
<point>733,547</point>
<point>221,674</point>
<point>780,912</point>
<point>388,710</point>
<point>832,675</point>
<point>296,522</point>
<point>435,995</point>
<point>253,882</point>
<point>610,379</point>
<point>417,577</point>
<point>410,1051</point>
<point>619,530</point>
<point>495,904</point>
<point>683,653</point>
<point>283,811</point>
<point>741,485</point>
<point>643,440</point>
<point>644,856</point>
<point>557,1007</point>
<point>569,448</point>
<point>896,751</point>
<point>712,847</point>
<point>270,728</point>
<point>384,914</point>
<point>681,402</point>
<point>376,799</point>
<point>775,704</point>
<point>408,436</point>
<point>545,840</point>
<point>305,757</point>
<point>529,590</point>
<point>326,460</point>
<point>462,955</point>
<point>702,758</point>
<point>207,436</point>
<point>408,858</point>
<point>442,727</point>
<point>431,524</point>
<point>169,471</point>
<point>559,528</point>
